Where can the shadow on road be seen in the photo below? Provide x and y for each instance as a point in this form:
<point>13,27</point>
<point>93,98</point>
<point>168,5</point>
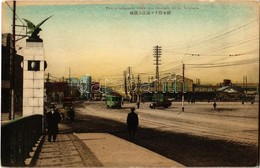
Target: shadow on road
<point>186,149</point>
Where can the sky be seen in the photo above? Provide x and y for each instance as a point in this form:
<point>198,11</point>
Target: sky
<point>215,40</point>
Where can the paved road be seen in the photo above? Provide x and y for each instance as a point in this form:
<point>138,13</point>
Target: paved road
<point>230,121</point>
<point>184,148</point>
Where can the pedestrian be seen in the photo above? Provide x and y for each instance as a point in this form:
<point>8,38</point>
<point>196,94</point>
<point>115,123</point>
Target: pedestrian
<point>52,118</point>
<point>132,123</point>
<point>138,104</point>
<point>214,105</point>
<point>122,101</point>
<point>71,114</point>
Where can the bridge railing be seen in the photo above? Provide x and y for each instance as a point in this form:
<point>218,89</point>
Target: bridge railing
<point>18,137</point>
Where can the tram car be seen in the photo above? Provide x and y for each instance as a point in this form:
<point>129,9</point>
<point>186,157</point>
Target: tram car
<point>113,100</point>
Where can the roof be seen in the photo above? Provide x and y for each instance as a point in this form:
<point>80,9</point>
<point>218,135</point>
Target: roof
<point>179,78</point>
<point>227,89</point>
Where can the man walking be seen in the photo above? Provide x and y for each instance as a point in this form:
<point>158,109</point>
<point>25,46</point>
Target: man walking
<point>132,123</point>
<point>52,118</point>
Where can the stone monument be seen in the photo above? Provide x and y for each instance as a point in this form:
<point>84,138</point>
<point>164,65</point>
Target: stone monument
<point>34,66</point>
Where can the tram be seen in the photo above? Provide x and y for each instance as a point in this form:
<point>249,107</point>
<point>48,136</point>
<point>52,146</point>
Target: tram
<point>113,100</point>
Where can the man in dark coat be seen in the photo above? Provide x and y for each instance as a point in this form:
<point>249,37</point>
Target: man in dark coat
<point>71,113</point>
<point>52,118</point>
<point>132,123</point>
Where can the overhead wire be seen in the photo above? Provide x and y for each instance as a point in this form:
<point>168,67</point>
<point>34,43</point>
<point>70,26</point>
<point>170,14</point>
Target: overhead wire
<point>221,35</point>
<point>15,13</point>
<point>216,36</point>
<point>218,48</point>
<point>231,31</point>
<point>224,64</point>
<point>207,53</point>
<point>208,40</point>
<point>229,45</point>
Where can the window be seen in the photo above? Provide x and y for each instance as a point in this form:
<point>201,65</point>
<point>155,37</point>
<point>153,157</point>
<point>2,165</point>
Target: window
<point>34,65</point>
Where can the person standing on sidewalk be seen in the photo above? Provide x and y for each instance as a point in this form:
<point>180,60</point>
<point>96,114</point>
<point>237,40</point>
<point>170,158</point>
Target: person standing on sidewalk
<point>52,118</point>
<point>132,123</point>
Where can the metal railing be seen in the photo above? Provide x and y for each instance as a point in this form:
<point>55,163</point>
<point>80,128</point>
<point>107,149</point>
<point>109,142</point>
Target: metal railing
<point>18,138</point>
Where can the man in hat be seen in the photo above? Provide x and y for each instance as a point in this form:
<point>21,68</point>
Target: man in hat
<point>132,123</point>
<point>52,118</point>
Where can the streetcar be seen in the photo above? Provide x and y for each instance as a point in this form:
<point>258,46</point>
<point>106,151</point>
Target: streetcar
<point>113,100</point>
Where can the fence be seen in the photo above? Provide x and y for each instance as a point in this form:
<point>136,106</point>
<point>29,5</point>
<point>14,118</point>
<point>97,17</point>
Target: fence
<point>18,138</point>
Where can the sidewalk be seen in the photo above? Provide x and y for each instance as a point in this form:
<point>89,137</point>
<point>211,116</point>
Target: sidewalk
<point>67,151</point>
<point>98,150</point>
<point>115,152</point>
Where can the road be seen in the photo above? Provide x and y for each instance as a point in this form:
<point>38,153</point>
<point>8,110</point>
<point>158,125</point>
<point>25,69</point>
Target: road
<point>231,121</point>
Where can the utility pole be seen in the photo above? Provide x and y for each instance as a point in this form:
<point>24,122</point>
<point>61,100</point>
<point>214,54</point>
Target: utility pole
<point>70,91</point>
<point>183,87</point>
<point>129,84</point>
<point>133,88</point>
<point>12,67</point>
<point>129,76</point>
<point>125,83</point>
<point>138,88</point>
<point>157,55</point>
<point>246,84</point>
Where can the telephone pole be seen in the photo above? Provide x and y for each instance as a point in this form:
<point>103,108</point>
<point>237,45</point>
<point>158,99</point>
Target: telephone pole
<point>183,87</point>
<point>70,90</point>
<point>138,88</point>
<point>245,83</point>
<point>125,83</point>
<point>12,67</point>
<point>157,55</point>
<point>128,79</point>
<point>129,88</point>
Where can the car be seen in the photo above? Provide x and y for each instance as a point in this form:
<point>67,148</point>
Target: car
<point>160,100</point>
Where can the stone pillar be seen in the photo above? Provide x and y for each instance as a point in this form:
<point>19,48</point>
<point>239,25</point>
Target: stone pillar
<point>33,79</point>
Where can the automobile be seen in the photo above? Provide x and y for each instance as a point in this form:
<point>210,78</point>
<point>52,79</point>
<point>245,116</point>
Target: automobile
<point>160,100</point>
<point>68,102</point>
